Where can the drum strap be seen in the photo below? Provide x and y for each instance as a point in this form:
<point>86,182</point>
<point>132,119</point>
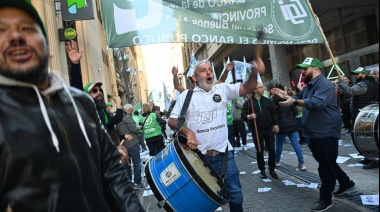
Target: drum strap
<point>181,118</point>
<point>223,172</point>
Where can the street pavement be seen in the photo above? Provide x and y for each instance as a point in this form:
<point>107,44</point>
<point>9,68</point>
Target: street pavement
<point>298,197</point>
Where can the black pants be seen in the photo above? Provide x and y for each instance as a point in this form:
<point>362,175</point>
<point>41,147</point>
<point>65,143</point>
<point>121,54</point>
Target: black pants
<point>325,152</point>
<point>155,144</point>
<point>346,118</point>
<point>239,130</point>
<point>266,135</point>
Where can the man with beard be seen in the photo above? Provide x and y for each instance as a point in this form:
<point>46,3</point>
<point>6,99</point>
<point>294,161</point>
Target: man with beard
<point>364,93</point>
<point>55,154</point>
<point>206,121</point>
<point>322,123</point>
<point>96,92</point>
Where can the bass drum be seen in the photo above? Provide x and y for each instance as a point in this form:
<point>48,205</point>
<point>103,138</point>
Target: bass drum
<point>183,180</point>
<point>366,132</point>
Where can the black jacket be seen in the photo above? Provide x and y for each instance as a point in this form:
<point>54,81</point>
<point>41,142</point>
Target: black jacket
<point>286,116</point>
<point>55,155</point>
<point>266,115</point>
<point>361,101</point>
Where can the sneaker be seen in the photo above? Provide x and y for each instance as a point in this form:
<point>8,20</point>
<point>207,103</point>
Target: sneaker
<point>277,164</point>
<point>344,189</point>
<point>263,175</point>
<point>304,144</point>
<point>301,167</point>
<point>372,165</point>
<point>138,186</point>
<point>273,174</point>
<point>321,206</point>
<point>245,148</point>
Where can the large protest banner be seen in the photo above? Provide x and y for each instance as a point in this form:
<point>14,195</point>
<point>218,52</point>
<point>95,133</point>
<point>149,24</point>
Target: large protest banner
<point>139,22</point>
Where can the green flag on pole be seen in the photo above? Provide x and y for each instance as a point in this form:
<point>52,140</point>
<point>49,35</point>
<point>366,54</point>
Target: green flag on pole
<point>138,107</point>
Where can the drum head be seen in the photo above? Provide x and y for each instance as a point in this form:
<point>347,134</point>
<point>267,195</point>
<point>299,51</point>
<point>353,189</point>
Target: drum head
<point>203,172</point>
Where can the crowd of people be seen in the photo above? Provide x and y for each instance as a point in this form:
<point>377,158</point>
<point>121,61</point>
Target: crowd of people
<point>85,158</point>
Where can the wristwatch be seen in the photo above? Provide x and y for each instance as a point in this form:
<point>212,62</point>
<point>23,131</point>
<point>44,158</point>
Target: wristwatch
<point>295,102</point>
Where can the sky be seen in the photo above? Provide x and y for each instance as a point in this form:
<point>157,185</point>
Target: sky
<point>159,60</point>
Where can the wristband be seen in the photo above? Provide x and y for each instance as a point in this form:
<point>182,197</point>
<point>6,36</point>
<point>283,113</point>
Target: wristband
<point>295,102</point>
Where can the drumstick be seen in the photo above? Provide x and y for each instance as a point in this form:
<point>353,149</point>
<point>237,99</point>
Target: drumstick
<point>257,135</point>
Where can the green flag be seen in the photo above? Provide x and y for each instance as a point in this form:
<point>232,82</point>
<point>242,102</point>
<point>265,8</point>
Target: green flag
<point>138,107</point>
<point>131,23</point>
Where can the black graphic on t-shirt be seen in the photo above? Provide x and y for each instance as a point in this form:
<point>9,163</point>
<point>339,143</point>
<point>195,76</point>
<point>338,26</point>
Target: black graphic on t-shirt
<point>217,98</point>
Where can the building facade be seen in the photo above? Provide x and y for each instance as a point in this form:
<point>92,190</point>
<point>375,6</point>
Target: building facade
<point>351,29</point>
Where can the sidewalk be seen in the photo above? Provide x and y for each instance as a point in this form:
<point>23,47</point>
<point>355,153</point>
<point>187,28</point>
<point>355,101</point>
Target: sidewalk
<point>292,198</point>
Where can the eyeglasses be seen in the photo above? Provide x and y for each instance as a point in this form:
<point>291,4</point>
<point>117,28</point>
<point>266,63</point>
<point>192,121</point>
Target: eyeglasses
<point>95,90</point>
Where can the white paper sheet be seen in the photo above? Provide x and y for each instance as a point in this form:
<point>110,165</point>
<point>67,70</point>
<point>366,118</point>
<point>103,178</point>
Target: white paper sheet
<point>266,189</point>
<point>313,185</point>
<point>147,193</point>
<point>341,159</point>
<point>370,199</point>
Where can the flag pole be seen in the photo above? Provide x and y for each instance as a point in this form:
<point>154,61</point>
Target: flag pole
<point>324,38</point>
<point>259,52</point>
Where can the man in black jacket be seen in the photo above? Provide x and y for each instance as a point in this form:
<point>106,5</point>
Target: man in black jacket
<point>264,121</point>
<point>55,153</point>
<point>364,93</point>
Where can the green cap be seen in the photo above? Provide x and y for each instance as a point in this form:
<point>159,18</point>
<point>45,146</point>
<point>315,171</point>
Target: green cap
<point>360,70</point>
<point>89,86</point>
<point>27,7</point>
<point>309,61</point>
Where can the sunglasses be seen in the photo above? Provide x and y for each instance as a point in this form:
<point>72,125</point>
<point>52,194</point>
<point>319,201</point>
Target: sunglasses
<point>95,90</point>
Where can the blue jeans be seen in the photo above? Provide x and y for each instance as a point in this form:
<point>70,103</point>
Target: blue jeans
<point>293,137</point>
<point>134,155</point>
<point>325,152</point>
<point>232,180</point>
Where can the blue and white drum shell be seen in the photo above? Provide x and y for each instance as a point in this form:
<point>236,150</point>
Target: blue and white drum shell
<point>183,180</point>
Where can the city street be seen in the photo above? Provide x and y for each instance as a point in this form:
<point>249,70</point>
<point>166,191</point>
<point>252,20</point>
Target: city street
<point>285,197</point>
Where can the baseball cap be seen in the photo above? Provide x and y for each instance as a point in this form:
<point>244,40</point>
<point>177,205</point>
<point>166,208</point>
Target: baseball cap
<point>27,7</point>
<point>309,61</point>
<point>360,70</point>
<point>89,86</point>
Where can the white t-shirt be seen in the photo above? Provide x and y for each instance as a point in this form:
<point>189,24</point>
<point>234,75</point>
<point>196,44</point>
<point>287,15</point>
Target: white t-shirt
<point>207,115</point>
